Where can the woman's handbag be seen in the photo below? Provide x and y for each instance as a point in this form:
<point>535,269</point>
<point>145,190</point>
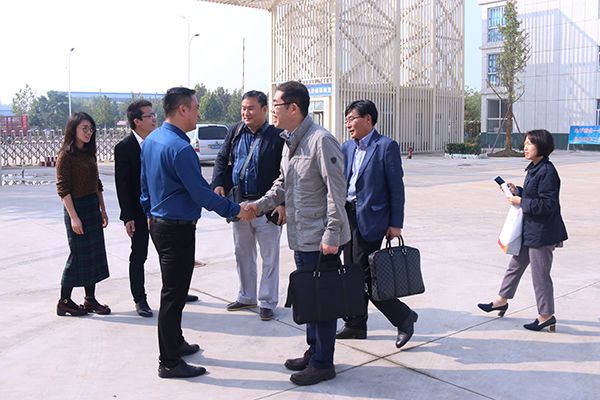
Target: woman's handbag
<point>330,291</point>
<point>395,272</point>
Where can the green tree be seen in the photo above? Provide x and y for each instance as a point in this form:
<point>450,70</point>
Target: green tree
<point>50,111</point>
<point>23,101</point>
<point>234,107</point>
<point>212,109</point>
<point>511,62</point>
<point>200,90</point>
<point>472,112</point>
<point>104,111</point>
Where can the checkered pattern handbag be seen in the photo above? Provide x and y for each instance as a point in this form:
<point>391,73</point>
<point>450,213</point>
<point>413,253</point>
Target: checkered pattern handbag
<point>395,272</point>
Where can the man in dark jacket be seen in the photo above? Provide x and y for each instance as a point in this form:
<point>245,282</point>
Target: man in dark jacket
<point>142,120</point>
<point>249,162</point>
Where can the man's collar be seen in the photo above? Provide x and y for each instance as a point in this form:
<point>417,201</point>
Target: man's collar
<point>365,141</point>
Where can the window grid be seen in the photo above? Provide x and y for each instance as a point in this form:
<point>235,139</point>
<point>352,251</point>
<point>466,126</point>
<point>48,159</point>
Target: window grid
<point>492,73</point>
<point>495,21</point>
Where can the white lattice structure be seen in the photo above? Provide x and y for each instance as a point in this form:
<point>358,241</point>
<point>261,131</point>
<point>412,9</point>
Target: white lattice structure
<point>404,55</point>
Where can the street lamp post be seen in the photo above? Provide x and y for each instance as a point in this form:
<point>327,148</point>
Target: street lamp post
<point>69,72</point>
<point>189,56</point>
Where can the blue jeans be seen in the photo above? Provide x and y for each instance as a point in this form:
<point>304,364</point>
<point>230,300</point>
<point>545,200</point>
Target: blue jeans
<point>320,336</point>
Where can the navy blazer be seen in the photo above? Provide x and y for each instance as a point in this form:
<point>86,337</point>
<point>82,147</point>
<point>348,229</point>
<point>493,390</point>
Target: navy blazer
<point>127,178</point>
<point>379,187</point>
<point>542,223</point>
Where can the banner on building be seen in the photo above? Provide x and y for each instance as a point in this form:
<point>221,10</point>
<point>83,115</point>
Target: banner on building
<point>584,134</point>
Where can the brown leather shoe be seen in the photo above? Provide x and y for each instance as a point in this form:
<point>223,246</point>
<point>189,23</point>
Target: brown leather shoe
<point>91,305</point>
<point>68,306</point>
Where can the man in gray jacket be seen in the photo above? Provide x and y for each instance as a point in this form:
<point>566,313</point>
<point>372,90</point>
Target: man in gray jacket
<point>313,187</point>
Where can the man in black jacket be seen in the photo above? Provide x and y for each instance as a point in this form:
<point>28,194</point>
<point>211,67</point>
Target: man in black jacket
<point>249,162</point>
<point>142,120</point>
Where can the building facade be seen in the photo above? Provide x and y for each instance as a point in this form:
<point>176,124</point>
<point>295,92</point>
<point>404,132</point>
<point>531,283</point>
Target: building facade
<point>562,78</point>
<point>404,55</point>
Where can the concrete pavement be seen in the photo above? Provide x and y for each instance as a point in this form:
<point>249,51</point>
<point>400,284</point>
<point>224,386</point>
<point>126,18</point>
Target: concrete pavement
<point>454,213</point>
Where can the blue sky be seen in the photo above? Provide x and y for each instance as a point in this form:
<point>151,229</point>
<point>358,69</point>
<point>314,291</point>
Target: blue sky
<point>472,43</point>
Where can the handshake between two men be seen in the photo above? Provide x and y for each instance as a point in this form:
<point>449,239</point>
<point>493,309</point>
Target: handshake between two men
<point>249,211</point>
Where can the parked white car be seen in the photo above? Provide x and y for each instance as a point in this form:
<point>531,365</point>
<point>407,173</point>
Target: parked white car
<point>207,140</point>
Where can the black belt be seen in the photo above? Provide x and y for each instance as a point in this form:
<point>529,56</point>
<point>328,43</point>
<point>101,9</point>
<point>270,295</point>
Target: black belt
<point>158,220</point>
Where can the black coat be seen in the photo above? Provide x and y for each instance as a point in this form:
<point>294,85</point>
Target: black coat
<point>542,222</point>
<point>269,159</point>
<point>127,178</point>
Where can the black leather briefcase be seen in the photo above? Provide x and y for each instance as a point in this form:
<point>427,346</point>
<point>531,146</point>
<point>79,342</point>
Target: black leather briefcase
<point>395,272</point>
<point>329,292</point>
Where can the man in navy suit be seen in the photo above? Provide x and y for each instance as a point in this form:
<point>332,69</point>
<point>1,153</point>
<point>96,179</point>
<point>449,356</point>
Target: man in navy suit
<point>375,207</point>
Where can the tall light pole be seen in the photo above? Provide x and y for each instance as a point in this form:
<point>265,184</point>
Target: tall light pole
<point>69,72</point>
<point>189,55</point>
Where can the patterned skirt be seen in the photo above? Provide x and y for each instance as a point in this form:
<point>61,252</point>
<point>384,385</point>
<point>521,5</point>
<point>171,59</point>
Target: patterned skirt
<point>87,263</point>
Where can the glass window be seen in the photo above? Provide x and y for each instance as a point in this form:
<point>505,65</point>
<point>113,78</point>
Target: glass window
<point>495,21</point>
<point>492,73</point>
<point>496,115</point>
<point>597,112</point>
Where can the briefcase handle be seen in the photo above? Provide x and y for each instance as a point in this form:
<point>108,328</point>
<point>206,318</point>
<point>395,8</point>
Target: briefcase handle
<point>388,245</point>
<point>328,257</point>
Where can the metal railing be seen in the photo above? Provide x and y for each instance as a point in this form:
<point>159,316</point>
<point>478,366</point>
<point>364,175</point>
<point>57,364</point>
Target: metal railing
<point>40,147</point>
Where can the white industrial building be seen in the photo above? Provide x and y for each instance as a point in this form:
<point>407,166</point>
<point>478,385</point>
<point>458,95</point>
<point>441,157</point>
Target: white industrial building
<point>562,79</point>
<point>404,55</point>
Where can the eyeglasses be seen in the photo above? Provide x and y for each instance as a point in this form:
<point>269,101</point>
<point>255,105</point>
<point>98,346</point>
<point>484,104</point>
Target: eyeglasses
<point>88,129</point>
<point>151,115</point>
<point>282,104</point>
<point>352,118</point>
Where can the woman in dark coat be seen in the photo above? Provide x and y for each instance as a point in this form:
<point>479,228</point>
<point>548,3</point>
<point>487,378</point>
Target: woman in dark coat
<point>79,186</point>
<point>543,230</point>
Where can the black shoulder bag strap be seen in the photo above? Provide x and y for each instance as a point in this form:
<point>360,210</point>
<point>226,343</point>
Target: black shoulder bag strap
<point>249,157</point>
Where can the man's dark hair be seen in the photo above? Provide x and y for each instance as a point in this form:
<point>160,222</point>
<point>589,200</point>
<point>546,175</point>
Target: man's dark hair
<point>175,97</point>
<point>258,95</point>
<point>295,92</point>
<point>134,111</point>
<point>543,141</point>
<point>363,107</point>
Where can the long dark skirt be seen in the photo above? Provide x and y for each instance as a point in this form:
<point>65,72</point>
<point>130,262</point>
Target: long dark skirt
<point>87,262</point>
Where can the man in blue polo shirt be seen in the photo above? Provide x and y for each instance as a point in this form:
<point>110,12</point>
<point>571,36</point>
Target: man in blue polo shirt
<point>173,195</point>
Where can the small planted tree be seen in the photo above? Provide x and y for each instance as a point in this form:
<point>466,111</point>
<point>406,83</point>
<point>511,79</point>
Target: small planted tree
<point>511,62</point>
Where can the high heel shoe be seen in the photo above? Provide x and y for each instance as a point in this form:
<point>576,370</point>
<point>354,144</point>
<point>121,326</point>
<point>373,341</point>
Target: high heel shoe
<point>489,307</point>
<point>536,326</point>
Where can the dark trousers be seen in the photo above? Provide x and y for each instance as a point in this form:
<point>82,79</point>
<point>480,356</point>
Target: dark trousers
<point>175,245</point>
<point>357,251</point>
<point>320,336</point>
<point>137,258</point>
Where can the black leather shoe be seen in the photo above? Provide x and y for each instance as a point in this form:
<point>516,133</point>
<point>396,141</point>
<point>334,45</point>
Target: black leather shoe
<point>298,364</point>
<point>237,306</point>
<point>186,349</point>
<point>407,329</point>
<point>536,326</point>
<point>311,375</point>
<point>190,298</point>
<point>143,309</point>
<point>266,314</point>
<point>351,333</point>
<point>489,307</point>
<point>181,370</point>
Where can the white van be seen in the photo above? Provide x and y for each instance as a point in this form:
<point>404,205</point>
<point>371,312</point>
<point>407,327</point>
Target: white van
<point>207,140</point>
